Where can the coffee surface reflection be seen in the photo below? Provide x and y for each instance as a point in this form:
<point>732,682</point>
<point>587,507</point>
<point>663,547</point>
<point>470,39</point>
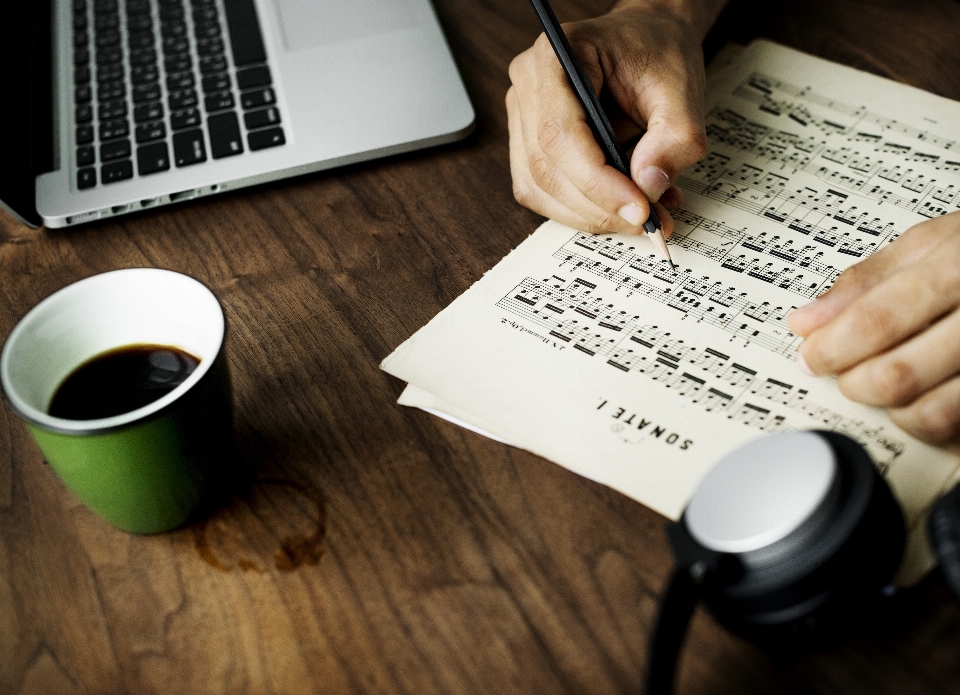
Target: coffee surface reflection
<point>121,380</point>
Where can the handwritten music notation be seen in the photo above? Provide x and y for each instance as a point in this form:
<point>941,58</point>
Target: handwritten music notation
<point>699,298</point>
<point>571,312</point>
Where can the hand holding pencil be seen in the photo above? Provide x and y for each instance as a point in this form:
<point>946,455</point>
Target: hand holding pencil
<point>646,56</point>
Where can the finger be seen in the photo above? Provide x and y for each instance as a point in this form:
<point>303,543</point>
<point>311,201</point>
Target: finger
<point>913,245</point>
<point>525,189</point>
<point>668,97</point>
<point>888,313</point>
<point>899,376</point>
<point>672,199</point>
<point>934,417</point>
<point>666,219</point>
<point>564,160</point>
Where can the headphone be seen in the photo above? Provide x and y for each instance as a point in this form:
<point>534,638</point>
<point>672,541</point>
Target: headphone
<point>786,538</point>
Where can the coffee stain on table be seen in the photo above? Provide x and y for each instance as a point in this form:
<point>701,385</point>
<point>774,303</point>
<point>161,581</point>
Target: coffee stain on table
<point>275,524</point>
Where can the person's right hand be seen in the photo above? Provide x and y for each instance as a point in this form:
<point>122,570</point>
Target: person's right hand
<point>646,54</point>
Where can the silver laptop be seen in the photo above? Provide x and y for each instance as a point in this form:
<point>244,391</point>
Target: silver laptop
<point>132,104</point>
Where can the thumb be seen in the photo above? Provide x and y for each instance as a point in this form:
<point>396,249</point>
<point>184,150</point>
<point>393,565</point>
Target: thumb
<point>672,107</point>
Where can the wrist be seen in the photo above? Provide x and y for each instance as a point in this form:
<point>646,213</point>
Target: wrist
<point>699,15</point>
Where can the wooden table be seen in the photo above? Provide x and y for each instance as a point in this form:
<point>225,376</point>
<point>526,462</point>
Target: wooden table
<point>379,549</point>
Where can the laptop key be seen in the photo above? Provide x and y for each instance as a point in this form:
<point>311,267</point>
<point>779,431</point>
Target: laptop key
<point>261,118</point>
<point>144,73</point>
<point>188,148</point>
<point>143,56</point>
<point>209,46</point>
<point>116,171</point>
<point>178,62</point>
<point>182,99</point>
<point>225,138</point>
<point>104,6</point>
<point>152,158</point>
<point>185,119</point>
<point>108,38</point>
<point>204,14</point>
<point>81,56</point>
<point>259,97</point>
<point>151,131</point>
<point>112,54</point>
<point>177,44</point>
<point>104,22</point>
<point>180,80</point>
<point>84,113</point>
<point>171,29</point>
<point>216,83</point>
<point>81,74</point>
<point>110,91</point>
<point>206,30</point>
<point>218,102</point>
<point>114,150</point>
<point>140,39</point>
<point>138,7</point>
<point>112,109</point>
<point>84,134</point>
<point>262,139</point>
<point>146,92</point>
<point>148,112</point>
<point>245,37</point>
<point>86,178</point>
<point>85,156</point>
<point>114,129</point>
<point>138,23</point>
<point>82,94</point>
<point>258,76</point>
<point>80,39</point>
<point>109,73</point>
<point>210,64</point>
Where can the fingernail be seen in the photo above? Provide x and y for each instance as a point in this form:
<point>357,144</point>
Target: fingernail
<point>804,367</point>
<point>654,182</point>
<point>631,213</point>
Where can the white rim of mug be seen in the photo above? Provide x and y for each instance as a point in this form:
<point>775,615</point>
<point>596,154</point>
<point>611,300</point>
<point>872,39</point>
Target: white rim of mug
<point>102,425</point>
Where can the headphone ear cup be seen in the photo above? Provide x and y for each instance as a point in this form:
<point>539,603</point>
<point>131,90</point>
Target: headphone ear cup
<point>828,577</point>
<point>943,526</point>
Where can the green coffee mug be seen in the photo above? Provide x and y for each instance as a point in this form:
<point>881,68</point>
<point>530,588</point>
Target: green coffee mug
<point>154,468</point>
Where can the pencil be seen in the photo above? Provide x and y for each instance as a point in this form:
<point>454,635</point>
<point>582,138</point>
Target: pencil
<point>596,118</point>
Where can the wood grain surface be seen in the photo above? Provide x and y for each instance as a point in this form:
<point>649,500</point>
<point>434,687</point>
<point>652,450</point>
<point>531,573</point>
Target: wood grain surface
<point>377,549</point>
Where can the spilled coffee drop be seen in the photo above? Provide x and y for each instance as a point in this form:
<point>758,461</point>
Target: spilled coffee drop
<point>121,380</point>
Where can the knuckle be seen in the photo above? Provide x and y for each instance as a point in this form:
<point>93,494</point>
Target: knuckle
<point>551,136</point>
<point>522,193</point>
<point>936,421</point>
<point>693,138</point>
<point>544,173</point>
<point>895,382</point>
<point>879,324</point>
<point>603,223</point>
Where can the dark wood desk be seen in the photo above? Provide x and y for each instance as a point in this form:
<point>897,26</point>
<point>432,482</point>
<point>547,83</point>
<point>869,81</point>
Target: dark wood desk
<point>382,550</point>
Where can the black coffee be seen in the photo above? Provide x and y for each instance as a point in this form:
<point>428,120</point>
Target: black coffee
<point>121,380</point>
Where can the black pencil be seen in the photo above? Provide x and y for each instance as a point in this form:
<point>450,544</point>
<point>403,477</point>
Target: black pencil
<point>597,119</point>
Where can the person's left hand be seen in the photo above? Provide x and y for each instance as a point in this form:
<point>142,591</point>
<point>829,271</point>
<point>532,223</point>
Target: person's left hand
<point>889,329</point>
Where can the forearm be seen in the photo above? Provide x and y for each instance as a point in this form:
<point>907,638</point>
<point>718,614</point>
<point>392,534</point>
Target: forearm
<point>700,15</point>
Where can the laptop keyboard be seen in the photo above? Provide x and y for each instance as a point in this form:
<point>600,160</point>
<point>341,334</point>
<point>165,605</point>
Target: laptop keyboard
<point>155,86</point>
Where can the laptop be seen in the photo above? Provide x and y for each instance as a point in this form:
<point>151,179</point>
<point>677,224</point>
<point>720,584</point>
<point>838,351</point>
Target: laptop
<point>114,106</point>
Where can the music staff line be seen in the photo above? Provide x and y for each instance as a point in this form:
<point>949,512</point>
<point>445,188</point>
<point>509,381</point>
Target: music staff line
<point>766,85</point>
<point>800,259</point>
<point>701,299</point>
<point>923,195</point>
<point>707,376</point>
<point>763,194</point>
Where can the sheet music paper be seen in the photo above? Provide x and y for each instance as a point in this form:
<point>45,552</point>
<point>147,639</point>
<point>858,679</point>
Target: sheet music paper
<point>589,351</point>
